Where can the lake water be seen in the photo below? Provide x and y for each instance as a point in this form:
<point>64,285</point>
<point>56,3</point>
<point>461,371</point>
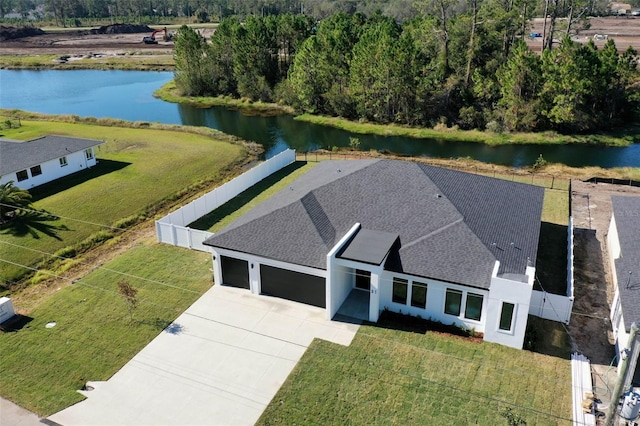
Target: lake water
<point>128,95</point>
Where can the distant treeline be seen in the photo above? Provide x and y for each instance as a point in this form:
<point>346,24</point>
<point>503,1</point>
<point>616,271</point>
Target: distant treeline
<point>471,70</point>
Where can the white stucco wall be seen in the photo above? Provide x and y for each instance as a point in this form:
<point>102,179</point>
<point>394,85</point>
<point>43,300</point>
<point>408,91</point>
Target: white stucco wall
<point>517,293</point>
<point>52,170</point>
<point>613,241</point>
<point>615,314</point>
<point>434,310</point>
<point>340,275</point>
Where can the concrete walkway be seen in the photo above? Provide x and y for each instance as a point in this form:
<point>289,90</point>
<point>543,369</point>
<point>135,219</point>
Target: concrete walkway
<point>14,415</point>
<point>220,363</point>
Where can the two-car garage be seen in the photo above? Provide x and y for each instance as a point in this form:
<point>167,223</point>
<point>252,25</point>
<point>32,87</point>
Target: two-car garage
<point>274,281</point>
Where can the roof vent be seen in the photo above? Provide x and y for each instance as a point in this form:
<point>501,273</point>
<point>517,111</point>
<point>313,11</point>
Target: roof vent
<point>338,170</point>
<point>438,196</point>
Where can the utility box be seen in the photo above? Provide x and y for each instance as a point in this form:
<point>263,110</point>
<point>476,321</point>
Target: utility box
<point>6,309</point>
<point>630,406</point>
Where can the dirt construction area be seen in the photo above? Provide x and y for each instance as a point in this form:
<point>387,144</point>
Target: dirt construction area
<point>590,327</point>
<point>111,40</point>
<point>623,30</point>
<point>126,38</point>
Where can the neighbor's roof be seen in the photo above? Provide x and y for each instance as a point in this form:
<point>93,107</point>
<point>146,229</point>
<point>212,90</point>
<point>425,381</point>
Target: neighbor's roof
<point>626,211</point>
<point>452,226</point>
<point>16,156</point>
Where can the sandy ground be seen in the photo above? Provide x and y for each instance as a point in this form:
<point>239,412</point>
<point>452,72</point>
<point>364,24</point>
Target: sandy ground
<point>76,44</point>
<point>590,327</point>
<point>623,30</point>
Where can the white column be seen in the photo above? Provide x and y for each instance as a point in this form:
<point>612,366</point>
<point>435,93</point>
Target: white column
<point>217,266</point>
<point>374,296</point>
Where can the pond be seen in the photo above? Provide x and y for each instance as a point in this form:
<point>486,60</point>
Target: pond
<point>128,95</point>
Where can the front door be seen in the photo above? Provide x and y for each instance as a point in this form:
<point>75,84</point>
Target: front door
<point>363,279</point>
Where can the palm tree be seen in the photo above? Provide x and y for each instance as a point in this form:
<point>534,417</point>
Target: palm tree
<point>12,198</point>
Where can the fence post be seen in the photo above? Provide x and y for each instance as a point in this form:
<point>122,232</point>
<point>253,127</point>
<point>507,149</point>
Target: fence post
<point>553,179</point>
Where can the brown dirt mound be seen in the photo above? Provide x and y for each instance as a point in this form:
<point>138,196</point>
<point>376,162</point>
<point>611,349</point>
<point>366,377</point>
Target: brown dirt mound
<point>10,33</point>
<point>122,29</point>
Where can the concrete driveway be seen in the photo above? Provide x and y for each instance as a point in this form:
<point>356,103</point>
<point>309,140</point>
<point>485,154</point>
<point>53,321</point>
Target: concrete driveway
<point>221,362</point>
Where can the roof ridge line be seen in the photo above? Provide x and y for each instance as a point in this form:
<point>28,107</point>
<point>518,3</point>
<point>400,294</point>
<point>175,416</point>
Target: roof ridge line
<point>432,233</point>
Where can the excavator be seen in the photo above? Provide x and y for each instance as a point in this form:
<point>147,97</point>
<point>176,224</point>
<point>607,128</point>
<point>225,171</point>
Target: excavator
<point>152,38</point>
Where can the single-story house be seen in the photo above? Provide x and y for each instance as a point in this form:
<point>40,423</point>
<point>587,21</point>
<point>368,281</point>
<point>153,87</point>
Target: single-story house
<point>44,159</point>
<point>623,241</point>
<point>441,244</point>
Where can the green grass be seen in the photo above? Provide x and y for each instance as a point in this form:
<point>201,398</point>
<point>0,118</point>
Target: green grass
<point>94,336</point>
<point>138,169</point>
<point>551,264</point>
<point>170,93</point>
<point>621,137</point>
<point>245,201</point>
<point>394,376</point>
<point>130,61</point>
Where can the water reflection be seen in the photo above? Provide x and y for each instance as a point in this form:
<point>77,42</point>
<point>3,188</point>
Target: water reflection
<point>128,95</point>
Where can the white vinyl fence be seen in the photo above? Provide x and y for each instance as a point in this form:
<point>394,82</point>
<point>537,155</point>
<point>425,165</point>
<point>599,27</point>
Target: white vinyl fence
<point>582,391</point>
<point>556,307</point>
<point>173,229</point>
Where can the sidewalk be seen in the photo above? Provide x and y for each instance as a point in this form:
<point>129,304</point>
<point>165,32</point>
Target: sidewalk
<point>12,414</point>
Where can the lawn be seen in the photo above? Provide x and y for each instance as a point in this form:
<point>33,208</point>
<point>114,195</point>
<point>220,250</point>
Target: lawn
<point>94,336</point>
<point>246,200</point>
<point>413,376</point>
<point>138,170</point>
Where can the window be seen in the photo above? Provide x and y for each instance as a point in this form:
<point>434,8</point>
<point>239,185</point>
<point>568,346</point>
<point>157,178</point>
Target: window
<point>473,308</point>
<point>506,316</point>
<point>452,302</point>
<point>63,161</point>
<point>400,290</point>
<point>22,175</point>
<point>88,153</point>
<point>36,171</point>
<point>419,295</point>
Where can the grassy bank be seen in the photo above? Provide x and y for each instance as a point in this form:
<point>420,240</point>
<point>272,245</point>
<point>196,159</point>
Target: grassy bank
<point>130,61</point>
<point>621,137</point>
<point>139,170</point>
<point>394,373</point>
<point>42,368</point>
<point>170,93</point>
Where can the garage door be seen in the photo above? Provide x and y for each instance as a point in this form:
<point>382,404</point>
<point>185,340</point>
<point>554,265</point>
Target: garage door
<point>294,286</point>
<point>235,272</point>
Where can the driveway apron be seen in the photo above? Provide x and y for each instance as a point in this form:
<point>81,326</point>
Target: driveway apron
<point>221,362</point>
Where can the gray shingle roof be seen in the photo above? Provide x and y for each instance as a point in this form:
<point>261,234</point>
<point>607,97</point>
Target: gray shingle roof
<point>16,156</point>
<point>626,211</point>
<point>369,246</point>
<point>446,221</point>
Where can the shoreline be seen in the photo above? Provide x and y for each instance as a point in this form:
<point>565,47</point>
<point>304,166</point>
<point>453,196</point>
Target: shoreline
<point>617,138</point>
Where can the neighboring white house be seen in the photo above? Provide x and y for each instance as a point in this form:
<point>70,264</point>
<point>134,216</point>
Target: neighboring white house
<point>445,245</point>
<point>623,243</point>
<point>42,160</point>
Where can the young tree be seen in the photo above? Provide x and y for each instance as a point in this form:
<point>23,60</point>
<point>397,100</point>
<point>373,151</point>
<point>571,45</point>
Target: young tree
<point>520,80</point>
<point>192,63</point>
<point>130,296</point>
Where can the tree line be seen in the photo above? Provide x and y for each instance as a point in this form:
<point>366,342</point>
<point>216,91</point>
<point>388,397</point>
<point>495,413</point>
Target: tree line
<point>467,68</point>
<point>83,12</point>
<point>161,11</point>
